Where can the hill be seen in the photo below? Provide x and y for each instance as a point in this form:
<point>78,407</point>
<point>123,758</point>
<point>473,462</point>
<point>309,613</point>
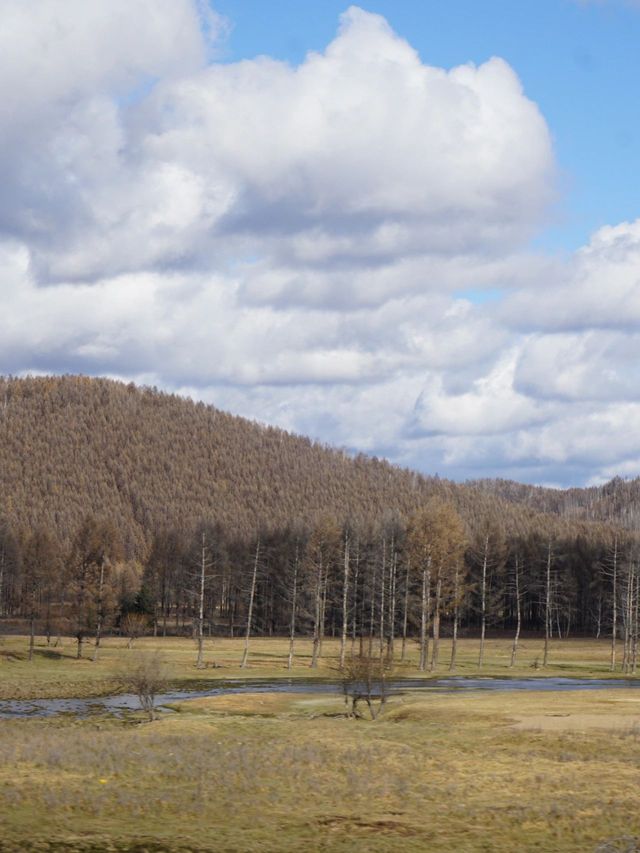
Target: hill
<point>97,476</point>
<point>144,460</point>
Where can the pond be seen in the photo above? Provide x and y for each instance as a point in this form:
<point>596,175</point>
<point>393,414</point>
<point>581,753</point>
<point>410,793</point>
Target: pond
<point>123,702</point>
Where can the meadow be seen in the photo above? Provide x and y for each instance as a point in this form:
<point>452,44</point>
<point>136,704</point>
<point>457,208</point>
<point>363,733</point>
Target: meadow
<point>55,671</point>
<point>478,771</point>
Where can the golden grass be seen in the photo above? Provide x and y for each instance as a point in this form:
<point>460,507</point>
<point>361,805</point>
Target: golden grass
<point>55,672</point>
<point>251,772</point>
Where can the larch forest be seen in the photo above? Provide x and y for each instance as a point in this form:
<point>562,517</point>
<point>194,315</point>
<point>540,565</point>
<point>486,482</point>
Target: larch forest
<point>124,508</point>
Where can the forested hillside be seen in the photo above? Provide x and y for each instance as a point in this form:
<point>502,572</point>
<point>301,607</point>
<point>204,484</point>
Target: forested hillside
<point>122,506</point>
<point>73,446</point>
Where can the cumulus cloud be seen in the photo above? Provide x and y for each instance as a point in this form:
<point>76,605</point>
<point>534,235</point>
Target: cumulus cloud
<point>308,245</point>
<point>359,156</point>
<point>598,288</point>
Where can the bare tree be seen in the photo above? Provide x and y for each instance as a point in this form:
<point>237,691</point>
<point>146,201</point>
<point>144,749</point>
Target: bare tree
<point>133,625</point>
<point>205,567</point>
<point>547,602</point>
<point>146,677</point>
<point>611,569</point>
<point>517,594</point>
<point>294,603</point>
<point>345,597</point>
<point>252,595</point>
<point>458,594</point>
<point>488,556</point>
<point>405,608</point>
<point>364,680</point>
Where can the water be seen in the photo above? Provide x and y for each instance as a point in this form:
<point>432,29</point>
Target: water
<point>121,703</point>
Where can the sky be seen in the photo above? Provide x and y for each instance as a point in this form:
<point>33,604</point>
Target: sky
<point>409,228</point>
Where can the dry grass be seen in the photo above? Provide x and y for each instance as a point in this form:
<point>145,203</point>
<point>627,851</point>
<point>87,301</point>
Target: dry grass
<point>285,773</point>
<point>55,672</point>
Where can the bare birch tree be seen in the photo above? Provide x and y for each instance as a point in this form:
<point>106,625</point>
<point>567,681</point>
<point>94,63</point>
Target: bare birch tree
<point>252,595</point>
<point>345,597</point>
<point>294,605</point>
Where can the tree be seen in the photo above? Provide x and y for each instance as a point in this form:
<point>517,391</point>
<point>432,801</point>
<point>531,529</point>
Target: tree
<point>204,568</point>
<point>146,677</point>
<point>161,573</point>
<point>133,625</point>
<point>294,606</point>
<point>610,569</point>
<point>450,543</point>
<point>252,595</point>
<point>95,548</point>
<point>41,566</point>
<point>488,556</point>
<point>518,591</point>
<point>421,538</point>
<point>10,564</point>
<point>345,595</point>
<point>436,540</point>
<point>364,679</point>
<point>321,555</point>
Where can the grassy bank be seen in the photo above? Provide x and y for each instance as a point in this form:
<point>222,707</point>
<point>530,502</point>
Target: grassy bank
<point>55,672</point>
<point>524,771</point>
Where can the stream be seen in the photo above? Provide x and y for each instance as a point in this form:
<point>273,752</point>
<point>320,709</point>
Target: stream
<point>121,703</point>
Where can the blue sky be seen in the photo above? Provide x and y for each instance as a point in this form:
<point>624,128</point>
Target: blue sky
<point>578,60</point>
<point>406,228</point>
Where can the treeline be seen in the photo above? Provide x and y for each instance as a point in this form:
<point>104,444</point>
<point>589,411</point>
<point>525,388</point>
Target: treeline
<point>616,502</point>
<point>378,585</point>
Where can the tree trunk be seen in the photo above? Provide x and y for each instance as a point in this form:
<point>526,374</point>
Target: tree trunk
<point>317,615</point>
<point>636,607</point>
<point>383,578</point>
<point>323,609</point>
<point>392,602</point>
<point>424,615</point>
<point>483,601</point>
<point>2,562</point>
<point>405,612</point>
<point>100,611</point>
<point>547,607</point>
<point>292,630</point>
<point>516,638</point>
<point>32,622</point>
<point>456,612</point>
<point>372,609</point>
<point>354,626</point>
<point>254,576</point>
<point>345,601</point>
<point>200,626</point>
<point>614,614</point>
<point>436,623</point>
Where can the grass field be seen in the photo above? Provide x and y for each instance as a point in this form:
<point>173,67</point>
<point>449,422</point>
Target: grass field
<point>522,771</point>
<point>55,672</point>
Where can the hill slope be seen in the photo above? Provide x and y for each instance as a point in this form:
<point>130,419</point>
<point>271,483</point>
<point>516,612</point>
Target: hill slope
<point>71,445</point>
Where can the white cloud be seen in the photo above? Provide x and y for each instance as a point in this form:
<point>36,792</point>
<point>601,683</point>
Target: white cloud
<point>599,288</point>
<point>296,243</point>
<point>359,156</point>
